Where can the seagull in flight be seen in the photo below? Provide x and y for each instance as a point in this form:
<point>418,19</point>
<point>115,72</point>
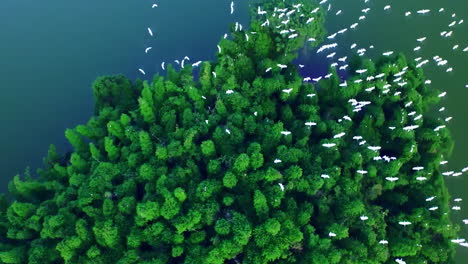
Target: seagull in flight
<point>232,7</point>
<point>147,49</point>
<point>150,31</point>
<point>142,71</point>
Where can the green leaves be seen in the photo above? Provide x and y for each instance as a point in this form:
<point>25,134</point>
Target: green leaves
<point>208,148</point>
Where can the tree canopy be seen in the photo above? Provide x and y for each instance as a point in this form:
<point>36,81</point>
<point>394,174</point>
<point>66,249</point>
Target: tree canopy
<point>183,171</point>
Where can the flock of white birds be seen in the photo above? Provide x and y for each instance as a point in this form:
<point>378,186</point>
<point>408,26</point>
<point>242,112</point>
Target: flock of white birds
<point>342,65</point>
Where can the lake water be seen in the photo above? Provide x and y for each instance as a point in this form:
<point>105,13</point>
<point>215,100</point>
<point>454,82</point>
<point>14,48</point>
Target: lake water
<point>50,53</point>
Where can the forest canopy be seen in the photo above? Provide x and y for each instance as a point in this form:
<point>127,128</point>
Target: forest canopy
<point>245,164</point>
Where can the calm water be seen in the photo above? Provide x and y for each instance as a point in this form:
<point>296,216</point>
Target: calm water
<point>50,53</point>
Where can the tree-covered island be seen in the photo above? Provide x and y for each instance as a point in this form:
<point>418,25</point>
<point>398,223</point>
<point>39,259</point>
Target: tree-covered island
<point>245,163</point>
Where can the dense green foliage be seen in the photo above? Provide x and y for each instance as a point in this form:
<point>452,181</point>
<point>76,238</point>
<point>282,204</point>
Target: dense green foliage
<point>155,176</point>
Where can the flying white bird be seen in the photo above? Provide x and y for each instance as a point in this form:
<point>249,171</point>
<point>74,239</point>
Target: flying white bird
<point>232,7</point>
<point>142,71</point>
<point>267,70</point>
<point>339,135</point>
<point>423,11</point>
<point>277,161</point>
<point>261,12</point>
<point>310,124</point>
<point>287,90</point>
<point>363,217</point>
<point>154,5</point>
<point>150,31</point>
<point>433,208</point>
<point>229,91</point>
<point>404,223</point>
<point>458,240</point>
<point>331,234</point>
<point>329,145</point>
<point>383,242</point>
<point>387,7</point>
<point>282,66</point>
<point>162,65</point>
<point>400,261</point>
<point>281,186</point>
<point>147,49</point>
<point>391,179</point>
<point>196,64</point>
<point>285,133</point>
<point>219,48</point>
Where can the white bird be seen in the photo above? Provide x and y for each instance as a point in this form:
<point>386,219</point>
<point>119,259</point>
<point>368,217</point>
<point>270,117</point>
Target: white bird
<point>388,53</point>
<point>363,217</point>
<point>267,70</point>
<point>214,74</point>
<point>286,133</point>
<point>457,200</point>
<point>418,168</point>
<point>232,7</point>
<point>433,208</point>
<point>154,5</point>
<point>407,13</point>
<point>162,65</point>
<point>374,148</point>
<point>196,64</point>
<point>150,31</point>
<point>260,11</point>
<point>456,208</point>
<point>465,221</point>
<point>310,124</point>
<point>329,145</point>
<point>142,71</point>
<point>400,261</point>
<point>421,39</point>
<point>423,11</point>
<point>387,7</point>
<point>147,49</point>
<point>421,178</point>
<point>229,91</point>
<point>219,48</point>
<point>282,66</point>
<point>277,161</point>
<point>287,90</point>
<point>227,131</point>
<point>339,135</point>
<point>383,242</point>
<point>404,223</point>
<point>458,240</point>
<point>391,179</point>
<point>331,234</point>
<point>281,186</point>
